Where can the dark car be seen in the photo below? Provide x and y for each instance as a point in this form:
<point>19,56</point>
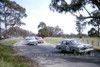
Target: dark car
<point>75,46</point>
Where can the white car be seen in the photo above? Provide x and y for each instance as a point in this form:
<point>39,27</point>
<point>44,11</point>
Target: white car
<point>31,41</point>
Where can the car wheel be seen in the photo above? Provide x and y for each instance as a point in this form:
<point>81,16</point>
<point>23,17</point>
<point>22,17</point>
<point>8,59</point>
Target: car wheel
<point>60,49</point>
<point>91,53</point>
<point>42,42</point>
<point>35,44</point>
<point>74,52</point>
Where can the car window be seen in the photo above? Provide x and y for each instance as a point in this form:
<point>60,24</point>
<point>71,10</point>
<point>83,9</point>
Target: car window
<point>67,42</point>
<point>38,37</point>
<point>63,42</point>
<point>76,42</point>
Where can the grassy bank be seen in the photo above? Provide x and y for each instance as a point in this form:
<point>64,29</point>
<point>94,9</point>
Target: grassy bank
<point>7,56</point>
<point>52,40</point>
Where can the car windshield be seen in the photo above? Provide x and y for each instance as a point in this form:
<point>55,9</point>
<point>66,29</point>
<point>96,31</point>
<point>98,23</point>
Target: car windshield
<point>76,42</point>
<point>31,38</point>
<point>39,38</point>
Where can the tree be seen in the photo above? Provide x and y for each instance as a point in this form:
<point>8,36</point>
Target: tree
<point>43,30</point>
<point>11,13</point>
<point>96,22</point>
<point>75,6</point>
<point>0,25</point>
<point>80,26</point>
<point>42,25</point>
<point>93,32</point>
<point>0,16</point>
<point>55,31</point>
<point>51,31</point>
<point>58,31</point>
<point>17,31</point>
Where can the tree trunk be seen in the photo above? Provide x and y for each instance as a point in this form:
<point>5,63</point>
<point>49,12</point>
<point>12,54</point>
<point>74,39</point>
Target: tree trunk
<point>0,29</point>
<point>5,28</point>
<point>5,21</point>
<point>98,31</point>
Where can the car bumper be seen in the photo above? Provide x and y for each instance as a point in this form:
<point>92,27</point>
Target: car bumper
<point>40,41</point>
<point>32,43</point>
<point>86,50</point>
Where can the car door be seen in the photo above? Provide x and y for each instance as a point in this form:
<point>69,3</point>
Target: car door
<point>67,47</point>
<point>63,45</point>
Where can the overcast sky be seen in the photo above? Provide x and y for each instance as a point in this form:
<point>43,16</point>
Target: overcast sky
<point>38,10</point>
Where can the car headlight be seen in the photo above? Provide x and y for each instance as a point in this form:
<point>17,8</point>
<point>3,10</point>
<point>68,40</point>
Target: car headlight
<point>80,46</point>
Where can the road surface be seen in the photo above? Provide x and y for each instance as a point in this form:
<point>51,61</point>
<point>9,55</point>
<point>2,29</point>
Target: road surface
<point>47,56</point>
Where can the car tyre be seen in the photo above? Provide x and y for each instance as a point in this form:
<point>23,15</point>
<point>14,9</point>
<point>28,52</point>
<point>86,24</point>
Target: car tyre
<point>35,44</point>
<point>74,52</point>
<point>90,53</point>
<point>60,49</point>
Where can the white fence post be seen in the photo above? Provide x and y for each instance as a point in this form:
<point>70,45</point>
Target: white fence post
<point>92,42</point>
<point>98,43</point>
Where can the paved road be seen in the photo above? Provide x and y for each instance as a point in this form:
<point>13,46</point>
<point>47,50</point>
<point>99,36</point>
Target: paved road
<point>47,56</point>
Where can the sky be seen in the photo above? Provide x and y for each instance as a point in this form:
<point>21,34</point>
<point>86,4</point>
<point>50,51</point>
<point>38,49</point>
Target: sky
<point>38,10</point>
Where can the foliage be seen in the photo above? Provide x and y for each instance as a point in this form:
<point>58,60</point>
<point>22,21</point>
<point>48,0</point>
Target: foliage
<point>46,31</point>
<point>11,13</point>
<point>93,32</point>
<point>55,31</point>
<point>96,22</point>
<point>58,31</point>
<point>43,30</point>
<point>17,31</point>
<point>81,24</point>
<point>42,25</point>
<point>75,6</point>
<point>51,31</point>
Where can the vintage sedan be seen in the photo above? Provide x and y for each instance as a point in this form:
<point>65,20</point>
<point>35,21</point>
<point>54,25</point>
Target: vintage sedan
<point>39,39</point>
<point>31,41</point>
<point>75,46</point>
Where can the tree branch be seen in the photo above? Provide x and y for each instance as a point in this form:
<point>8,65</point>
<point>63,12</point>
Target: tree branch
<point>92,17</point>
<point>87,11</point>
<point>73,14</point>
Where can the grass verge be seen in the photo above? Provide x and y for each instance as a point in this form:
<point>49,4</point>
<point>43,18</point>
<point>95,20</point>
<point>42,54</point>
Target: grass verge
<point>52,40</point>
<point>8,57</point>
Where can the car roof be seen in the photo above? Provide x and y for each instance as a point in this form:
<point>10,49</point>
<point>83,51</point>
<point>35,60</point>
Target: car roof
<point>69,39</point>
